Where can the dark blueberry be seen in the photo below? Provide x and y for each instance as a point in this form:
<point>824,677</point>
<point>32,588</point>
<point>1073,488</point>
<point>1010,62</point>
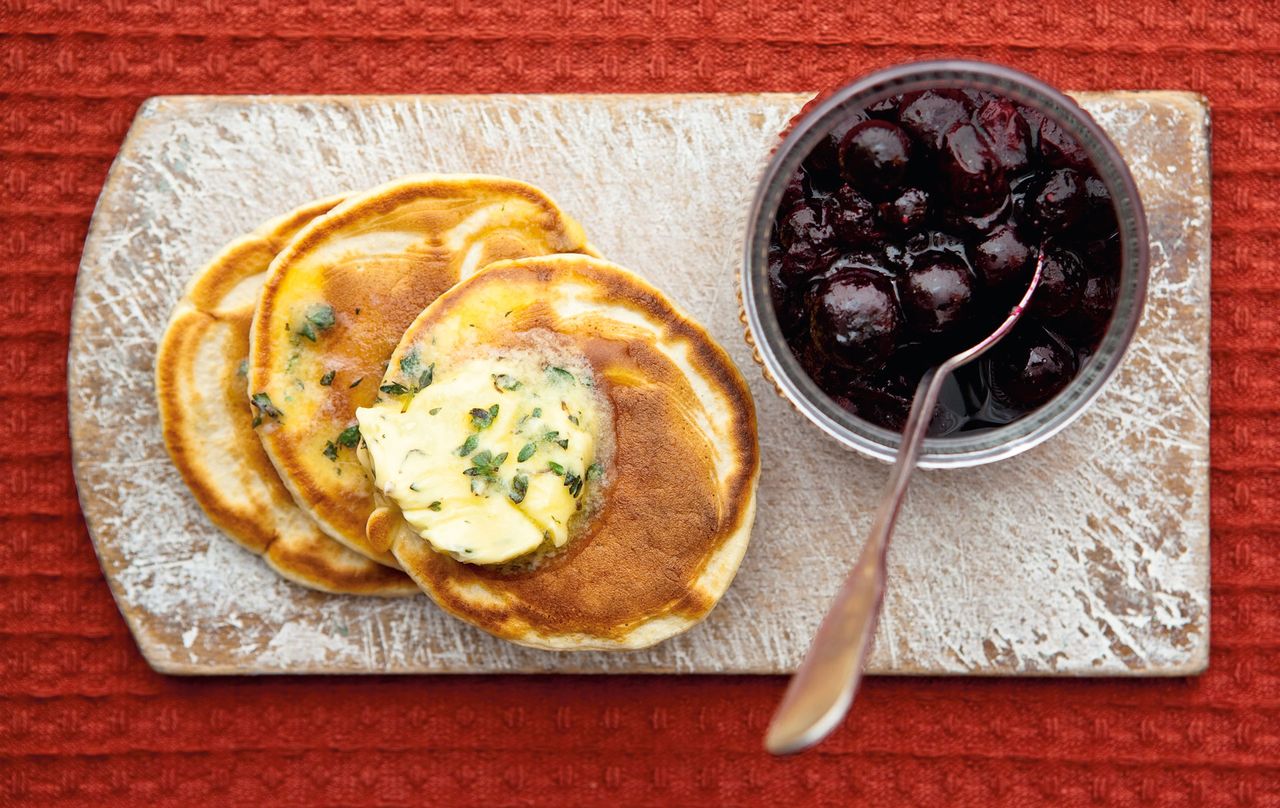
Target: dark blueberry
<point>1099,217</point>
<point>853,217</point>
<point>1030,367</point>
<point>934,240</point>
<point>1061,283</point>
<point>1008,132</point>
<point>802,262</point>
<point>1019,190</point>
<point>937,292</point>
<point>1002,259</point>
<point>974,177</point>
<point>907,214</point>
<point>824,160</point>
<point>874,157</point>
<point>1090,317</point>
<point>793,192</point>
<point>885,109</point>
<point>895,254</point>
<point>854,318</point>
<point>929,115</point>
<point>1102,255</point>
<point>1056,201</point>
<point>1058,148</point>
<point>787,301</point>
<point>874,403</point>
<point>871,260</point>
<point>977,226</point>
<point>778,286</point>
<point>807,222</point>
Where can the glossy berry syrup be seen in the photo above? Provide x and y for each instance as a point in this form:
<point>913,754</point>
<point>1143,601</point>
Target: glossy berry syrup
<point>912,228</point>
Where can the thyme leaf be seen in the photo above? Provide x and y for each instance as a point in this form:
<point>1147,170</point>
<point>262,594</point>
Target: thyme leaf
<point>519,487</point>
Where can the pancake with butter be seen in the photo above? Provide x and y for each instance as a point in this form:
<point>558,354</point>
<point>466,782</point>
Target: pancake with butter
<point>578,470</point>
<point>340,296</point>
<point>208,422</point>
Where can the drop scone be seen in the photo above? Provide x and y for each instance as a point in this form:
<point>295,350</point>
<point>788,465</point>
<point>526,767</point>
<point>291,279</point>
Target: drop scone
<point>562,457</point>
<point>339,297</point>
<point>208,422</point>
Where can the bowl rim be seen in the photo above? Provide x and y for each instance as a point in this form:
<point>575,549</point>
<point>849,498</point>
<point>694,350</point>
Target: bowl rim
<point>979,447</point>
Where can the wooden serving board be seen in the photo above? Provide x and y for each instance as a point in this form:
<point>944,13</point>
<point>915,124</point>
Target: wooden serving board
<point>1086,556</point>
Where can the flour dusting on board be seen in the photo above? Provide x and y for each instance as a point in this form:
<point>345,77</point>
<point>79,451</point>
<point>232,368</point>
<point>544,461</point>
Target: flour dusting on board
<point>1086,556</point>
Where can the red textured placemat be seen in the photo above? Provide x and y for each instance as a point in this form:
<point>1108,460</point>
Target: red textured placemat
<point>84,721</point>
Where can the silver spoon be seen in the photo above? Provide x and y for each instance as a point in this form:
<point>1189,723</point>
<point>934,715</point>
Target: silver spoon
<point>822,689</point>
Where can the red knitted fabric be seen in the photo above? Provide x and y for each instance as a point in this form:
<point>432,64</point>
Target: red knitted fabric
<point>83,721</point>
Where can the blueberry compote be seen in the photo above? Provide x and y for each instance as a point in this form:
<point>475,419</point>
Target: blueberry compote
<point>910,231</point>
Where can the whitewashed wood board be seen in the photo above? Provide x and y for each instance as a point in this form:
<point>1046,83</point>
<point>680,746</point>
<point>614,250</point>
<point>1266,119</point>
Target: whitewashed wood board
<point>1086,556</point>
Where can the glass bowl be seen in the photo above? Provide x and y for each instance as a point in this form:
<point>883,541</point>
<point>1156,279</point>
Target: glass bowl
<point>965,448</point>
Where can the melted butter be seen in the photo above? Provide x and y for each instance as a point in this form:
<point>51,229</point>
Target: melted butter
<point>490,460</point>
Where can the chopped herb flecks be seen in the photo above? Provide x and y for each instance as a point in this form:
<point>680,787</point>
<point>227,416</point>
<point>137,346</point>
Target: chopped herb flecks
<point>435,506</point>
<point>327,379</point>
<point>319,318</point>
<point>595,471</point>
<point>527,452</point>
<point>330,451</point>
<point>349,437</point>
<point>556,468</point>
<point>411,362</point>
<point>356,382</point>
<point>411,366</point>
<point>502,382</point>
<point>243,368</point>
<point>573,482</point>
<point>263,402</point>
<point>434,411</point>
<point>560,374</point>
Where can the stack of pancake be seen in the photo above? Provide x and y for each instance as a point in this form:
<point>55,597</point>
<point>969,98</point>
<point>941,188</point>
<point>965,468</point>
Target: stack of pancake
<point>293,327</point>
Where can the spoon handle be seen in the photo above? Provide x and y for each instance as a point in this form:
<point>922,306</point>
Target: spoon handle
<point>822,689</point>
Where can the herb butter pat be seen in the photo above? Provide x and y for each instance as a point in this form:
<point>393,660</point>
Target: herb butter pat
<point>492,458</point>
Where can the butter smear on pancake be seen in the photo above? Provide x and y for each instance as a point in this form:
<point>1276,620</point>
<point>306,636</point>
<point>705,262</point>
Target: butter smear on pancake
<point>490,458</point>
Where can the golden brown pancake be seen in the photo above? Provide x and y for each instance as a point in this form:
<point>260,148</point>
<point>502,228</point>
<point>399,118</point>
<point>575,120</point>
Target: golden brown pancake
<point>207,422</point>
<point>678,497</point>
<point>337,301</point>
